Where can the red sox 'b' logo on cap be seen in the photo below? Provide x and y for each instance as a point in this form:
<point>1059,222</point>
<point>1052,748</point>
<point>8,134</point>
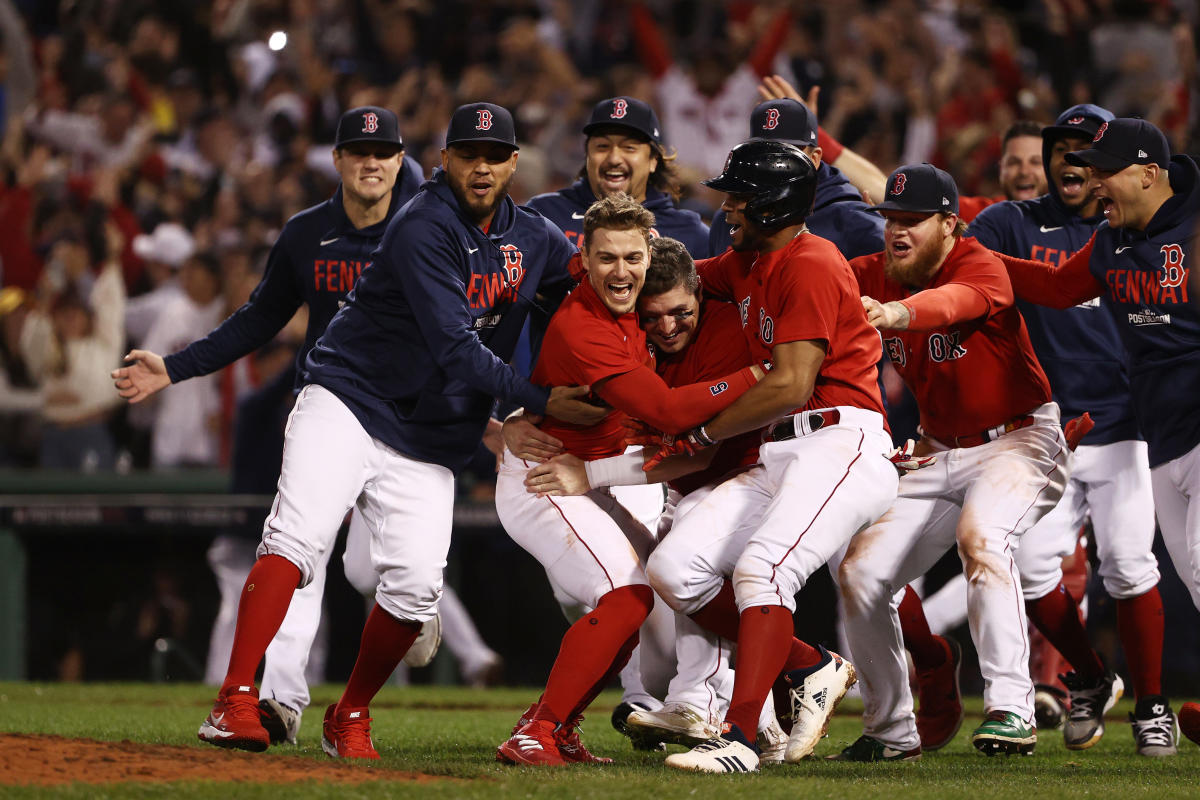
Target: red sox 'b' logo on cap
<point>484,122</point>
<point>370,122</point>
<point>898,186</point>
<point>772,120</point>
<point>1100,133</point>
<point>620,108</point>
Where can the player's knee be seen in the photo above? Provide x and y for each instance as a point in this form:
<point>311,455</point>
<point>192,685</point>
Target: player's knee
<point>670,582</point>
<point>410,594</point>
<point>297,551</point>
<point>362,576</point>
<point>1036,584</point>
<point>757,582</point>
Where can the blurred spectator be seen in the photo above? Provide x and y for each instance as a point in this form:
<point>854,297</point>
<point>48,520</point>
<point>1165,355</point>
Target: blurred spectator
<point>20,397</point>
<point>163,253</point>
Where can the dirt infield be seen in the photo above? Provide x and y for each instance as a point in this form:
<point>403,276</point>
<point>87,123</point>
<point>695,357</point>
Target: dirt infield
<point>37,760</point>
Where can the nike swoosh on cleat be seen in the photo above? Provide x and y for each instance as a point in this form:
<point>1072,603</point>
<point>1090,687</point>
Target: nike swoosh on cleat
<point>329,241</point>
<point>1044,229</point>
<point>217,719</point>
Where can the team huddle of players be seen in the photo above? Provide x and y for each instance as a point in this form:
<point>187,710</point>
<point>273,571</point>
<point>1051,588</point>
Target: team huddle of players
<point>739,366</point>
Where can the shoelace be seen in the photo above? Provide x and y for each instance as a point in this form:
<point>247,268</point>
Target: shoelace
<point>242,707</point>
<point>1155,731</point>
<point>1085,702</point>
<point>355,734</point>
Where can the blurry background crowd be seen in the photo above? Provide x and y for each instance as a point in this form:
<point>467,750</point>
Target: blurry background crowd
<point>151,151</point>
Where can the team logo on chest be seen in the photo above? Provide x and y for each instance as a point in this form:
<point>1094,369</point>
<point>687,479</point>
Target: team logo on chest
<point>895,350</point>
<point>744,310</point>
<point>370,122</point>
<point>513,271</point>
<point>946,346</point>
<point>1173,273</point>
<point>766,327</point>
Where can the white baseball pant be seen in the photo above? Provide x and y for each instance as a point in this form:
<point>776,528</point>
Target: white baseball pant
<point>983,498</point>
<point>1176,487</point>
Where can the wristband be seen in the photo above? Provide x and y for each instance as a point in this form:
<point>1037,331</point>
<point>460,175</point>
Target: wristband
<point>701,436</point>
<point>622,470</point>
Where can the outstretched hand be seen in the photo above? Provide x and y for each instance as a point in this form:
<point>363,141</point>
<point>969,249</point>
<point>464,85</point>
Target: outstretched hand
<point>527,441</point>
<point>563,475</point>
<point>568,403</point>
<point>146,376</point>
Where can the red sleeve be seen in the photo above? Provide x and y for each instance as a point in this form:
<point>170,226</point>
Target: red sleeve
<point>768,46</point>
<point>714,275</point>
<point>1068,285</point>
<point>575,267</point>
<point>945,305</point>
<point>969,207</point>
<point>651,46</point>
<point>831,148</point>
<point>642,394</point>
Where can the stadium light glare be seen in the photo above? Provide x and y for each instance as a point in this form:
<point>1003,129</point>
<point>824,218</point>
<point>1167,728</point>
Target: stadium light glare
<point>278,41</point>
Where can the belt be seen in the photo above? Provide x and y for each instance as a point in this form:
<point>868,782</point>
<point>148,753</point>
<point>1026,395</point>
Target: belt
<point>991,434</point>
<point>803,423</point>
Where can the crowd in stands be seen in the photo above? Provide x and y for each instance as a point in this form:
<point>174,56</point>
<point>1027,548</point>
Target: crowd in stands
<point>151,151</point>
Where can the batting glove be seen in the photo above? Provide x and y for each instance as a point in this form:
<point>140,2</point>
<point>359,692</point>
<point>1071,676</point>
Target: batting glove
<point>689,444</point>
<point>1078,428</point>
<point>904,461</point>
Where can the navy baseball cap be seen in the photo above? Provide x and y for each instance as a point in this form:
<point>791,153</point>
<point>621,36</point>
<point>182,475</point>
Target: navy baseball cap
<point>625,112</point>
<point>1122,142</point>
<point>786,120</point>
<point>481,122</point>
<point>368,124</point>
<point>1082,121</point>
<point>921,188</point>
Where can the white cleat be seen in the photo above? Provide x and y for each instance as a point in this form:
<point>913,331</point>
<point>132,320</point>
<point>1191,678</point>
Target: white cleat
<point>772,743</point>
<point>677,723</point>
<point>426,645</point>
<point>815,694</point>
<point>717,756</point>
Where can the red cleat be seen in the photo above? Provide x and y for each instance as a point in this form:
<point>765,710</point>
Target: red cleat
<point>347,733</point>
<point>940,713</point>
<point>234,721</point>
<point>1189,721</point>
<point>571,746</point>
<point>534,744</point>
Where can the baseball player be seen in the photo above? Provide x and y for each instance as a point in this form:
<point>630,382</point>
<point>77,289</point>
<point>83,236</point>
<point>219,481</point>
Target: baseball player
<point>591,547</point>
<point>315,261</point>
<point>398,391</point>
<point>1084,359</point>
<point>625,152</point>
<point>946,309</point>
<point>839,213</point>
<point>694,340</point>
<point>822,474</point>
<point>1138,264</point>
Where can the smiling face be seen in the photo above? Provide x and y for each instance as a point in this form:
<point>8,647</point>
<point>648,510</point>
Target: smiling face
<point>616,262</point>
<point>742,236</point>
<point>670,319</point>
<point>1071,182</point>
<point>368,170</point>
<point>479,174</point>
<point>1022,176</point>
<point>619,161</point>
<point>915,245</point>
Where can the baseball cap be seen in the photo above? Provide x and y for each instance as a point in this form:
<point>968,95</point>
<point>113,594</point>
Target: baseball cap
<point>368,124</point>
<point>921,188</point>
<point>481,122</point>
<point>786,120</point>
<point>1081,120</point>
<point>1122,142</point>
<point>626,112</point>
<point>170,244</point>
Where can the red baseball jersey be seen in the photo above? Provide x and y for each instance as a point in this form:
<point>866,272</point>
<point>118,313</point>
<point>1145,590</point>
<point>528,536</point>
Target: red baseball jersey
<point>585,344</point>
<point>969,207</point>
<point>971,375</point>
<point>804,291</point>
<point>717,348</point>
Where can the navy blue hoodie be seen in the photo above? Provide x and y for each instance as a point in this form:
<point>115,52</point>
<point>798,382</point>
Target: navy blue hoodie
<point>315,261</point>
<point>418,353</point>
<point>839,215</point>
<point>1079,347</point>
<point>565,208</point>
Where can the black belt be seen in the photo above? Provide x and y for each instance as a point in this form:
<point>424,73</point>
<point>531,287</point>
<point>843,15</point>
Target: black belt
<point>786,428</point>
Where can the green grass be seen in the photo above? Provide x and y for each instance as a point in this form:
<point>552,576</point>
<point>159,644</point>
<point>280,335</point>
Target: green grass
<point>453,732</point>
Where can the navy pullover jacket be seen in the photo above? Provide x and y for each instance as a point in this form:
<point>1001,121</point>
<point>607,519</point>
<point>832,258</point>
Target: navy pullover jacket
<point>316,259</point>
<point>418,353</point>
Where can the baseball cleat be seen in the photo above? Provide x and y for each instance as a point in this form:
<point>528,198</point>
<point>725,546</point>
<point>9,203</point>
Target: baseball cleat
<point>638,737</point>
<point>534,744</point>
<point>281,721</point>
<point>675,723</point>
<point>1155,729</point>
<point>814,693</point>
<point>1004,732</point>
<point>940,713</point>
<point>866,748</point>
<point>730,752</point>
<point>1189,721</point>
<point>346,733</point>
<point>571,746</point>
<point>1090,699</point>
<point>772,743</point>
<point>426,645</point>
<point>234,721</point>
<point>1049,707</point>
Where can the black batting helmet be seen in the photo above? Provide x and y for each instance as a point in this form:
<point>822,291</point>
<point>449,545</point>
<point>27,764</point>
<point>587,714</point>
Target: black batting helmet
<point>779,178</point>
